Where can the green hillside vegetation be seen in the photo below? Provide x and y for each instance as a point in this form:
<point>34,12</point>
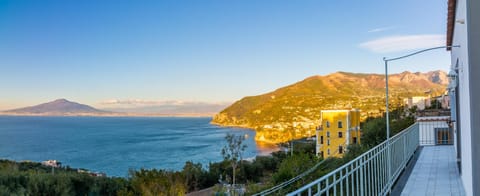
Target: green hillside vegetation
<point>30,178</point>
<point>293,111</point>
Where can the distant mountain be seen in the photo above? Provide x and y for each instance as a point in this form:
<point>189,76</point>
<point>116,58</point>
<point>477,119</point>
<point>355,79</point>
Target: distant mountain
<point>293,111</point>
<point>58,107</point>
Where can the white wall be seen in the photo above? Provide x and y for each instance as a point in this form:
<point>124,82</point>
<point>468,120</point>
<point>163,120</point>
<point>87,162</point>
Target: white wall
<point>427,131</point>
<point>460,37</point>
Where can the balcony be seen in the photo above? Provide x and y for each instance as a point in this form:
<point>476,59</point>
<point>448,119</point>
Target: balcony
<point>435,173</point>
<point>374,173</point>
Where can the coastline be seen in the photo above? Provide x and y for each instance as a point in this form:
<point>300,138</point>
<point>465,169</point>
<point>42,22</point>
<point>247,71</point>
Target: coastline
<point>246,127</point>
<point>264,147</point>
<point>231,125</point>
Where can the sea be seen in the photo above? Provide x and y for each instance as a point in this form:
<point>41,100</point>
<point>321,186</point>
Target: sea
<point>114,145</point>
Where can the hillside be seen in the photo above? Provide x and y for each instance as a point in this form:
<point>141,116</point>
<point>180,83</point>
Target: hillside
<point>293,111</point>
<point>58,107</point>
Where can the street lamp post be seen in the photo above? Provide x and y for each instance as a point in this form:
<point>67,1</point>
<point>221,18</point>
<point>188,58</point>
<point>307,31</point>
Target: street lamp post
<point>387,116</point>
<point>386,60</point>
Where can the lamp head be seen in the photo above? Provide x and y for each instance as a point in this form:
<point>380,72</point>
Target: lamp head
<point>452,75</point>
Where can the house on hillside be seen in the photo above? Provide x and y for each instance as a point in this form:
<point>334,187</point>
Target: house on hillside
<point>420,101</point>
<point>443,100</point>
<point>338,129</point>
<point>52,163</point>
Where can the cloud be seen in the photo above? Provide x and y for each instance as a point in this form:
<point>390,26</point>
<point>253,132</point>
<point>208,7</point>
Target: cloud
<point>162,107</point>
<point>141,103</point>
<point>376,30</point>
<point>402,43</point>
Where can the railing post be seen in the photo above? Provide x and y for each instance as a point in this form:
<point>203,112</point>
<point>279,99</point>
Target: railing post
<point>358,177</point>
<point>416,134</point>
<point>405,153</point>
<point>318,188</point>
<point>362,192</point>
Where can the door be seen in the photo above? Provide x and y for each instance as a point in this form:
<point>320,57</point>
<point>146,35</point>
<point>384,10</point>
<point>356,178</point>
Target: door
<point>443,136</point>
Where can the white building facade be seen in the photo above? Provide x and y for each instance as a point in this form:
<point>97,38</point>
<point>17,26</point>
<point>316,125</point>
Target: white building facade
<point>419,101</point>
<point>463,30</point>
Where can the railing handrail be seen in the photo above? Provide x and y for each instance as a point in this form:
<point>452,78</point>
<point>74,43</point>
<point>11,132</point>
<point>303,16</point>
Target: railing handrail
<point>294,179</point>
<point>325,177</point>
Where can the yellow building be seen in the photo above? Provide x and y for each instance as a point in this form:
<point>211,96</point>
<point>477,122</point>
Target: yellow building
<point>337,130</point>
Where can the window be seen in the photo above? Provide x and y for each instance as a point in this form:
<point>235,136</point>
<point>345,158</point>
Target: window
<point>340,124</point>
<point>328,142</point>
<point>328,133</point>
<point>340,150</point>
<point>321,153</point>
<point>328,151</point>
<point>354,140</point>
<point>321,139</point>
<point>327,124</point>
<point>340,134</point>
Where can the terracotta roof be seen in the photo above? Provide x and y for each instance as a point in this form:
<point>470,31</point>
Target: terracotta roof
<point>450,21</point>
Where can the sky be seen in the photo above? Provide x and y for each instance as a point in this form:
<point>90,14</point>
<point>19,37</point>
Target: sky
<point>209,51</point>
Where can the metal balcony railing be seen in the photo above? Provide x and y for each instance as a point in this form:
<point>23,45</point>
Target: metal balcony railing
<point>368,174</point>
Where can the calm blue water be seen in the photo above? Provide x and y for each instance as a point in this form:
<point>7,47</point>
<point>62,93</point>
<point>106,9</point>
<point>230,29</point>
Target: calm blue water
<point>116,144</point>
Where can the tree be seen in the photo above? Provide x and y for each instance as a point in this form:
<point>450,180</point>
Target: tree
<point>293,166</point>
<point>373,132</point>
<point>374,129</point>
<point>233,150</point>
<point>157,182</point>
<point>353,151</point>
<point>193,175</point>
